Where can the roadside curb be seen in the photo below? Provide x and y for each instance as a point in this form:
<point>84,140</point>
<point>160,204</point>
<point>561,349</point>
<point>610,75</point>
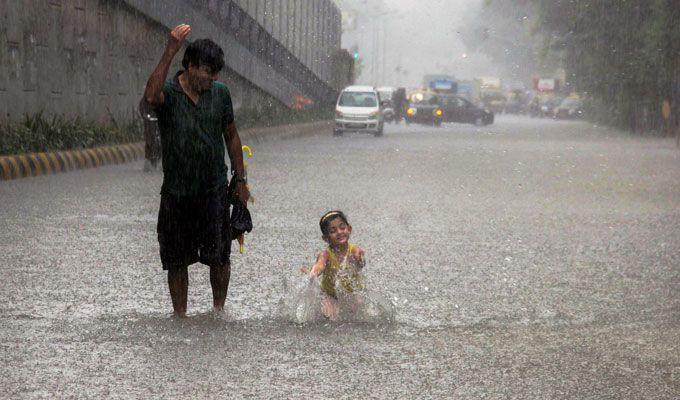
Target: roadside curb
<point>36,164</point>
<point>280,132</point>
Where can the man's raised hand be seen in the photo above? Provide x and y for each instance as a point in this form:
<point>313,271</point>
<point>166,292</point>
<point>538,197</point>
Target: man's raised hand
<point>177,37</point>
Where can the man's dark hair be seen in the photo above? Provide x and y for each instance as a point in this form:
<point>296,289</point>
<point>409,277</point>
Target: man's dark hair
<point>325,221</point>
<point>204,52</point>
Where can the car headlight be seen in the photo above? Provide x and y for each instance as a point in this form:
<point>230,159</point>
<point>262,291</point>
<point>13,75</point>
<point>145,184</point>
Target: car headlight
<point>373,115</point>
<point>411,112</point>
<point>544,108</point>
<point>438,112</point>
<point>338,114</point>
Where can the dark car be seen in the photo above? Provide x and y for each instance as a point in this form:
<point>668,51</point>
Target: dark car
<point>424,108</point>
<point>570,108</point>
<point>458,109</point>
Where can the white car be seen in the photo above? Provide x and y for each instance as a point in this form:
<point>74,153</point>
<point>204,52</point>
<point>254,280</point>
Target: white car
<point>358,110</point>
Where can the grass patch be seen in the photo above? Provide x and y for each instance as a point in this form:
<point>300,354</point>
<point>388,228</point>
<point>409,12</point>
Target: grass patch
<point>39,133</point>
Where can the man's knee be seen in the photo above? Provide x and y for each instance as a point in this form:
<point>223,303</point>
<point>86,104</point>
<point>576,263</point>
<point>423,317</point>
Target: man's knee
<point>178,273</point>
<point>221,269</point>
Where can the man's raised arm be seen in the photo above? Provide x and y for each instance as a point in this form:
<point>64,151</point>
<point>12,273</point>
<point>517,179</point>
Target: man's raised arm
<point>153,94</point>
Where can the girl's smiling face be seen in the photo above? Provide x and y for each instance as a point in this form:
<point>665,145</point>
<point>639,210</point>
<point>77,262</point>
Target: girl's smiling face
<point>338,232</point>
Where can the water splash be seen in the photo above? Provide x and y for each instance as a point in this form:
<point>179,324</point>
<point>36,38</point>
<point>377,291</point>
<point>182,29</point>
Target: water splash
<point>301,304</point>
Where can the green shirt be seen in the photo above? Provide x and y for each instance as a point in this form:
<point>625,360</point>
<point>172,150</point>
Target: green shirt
<point>192,139</point>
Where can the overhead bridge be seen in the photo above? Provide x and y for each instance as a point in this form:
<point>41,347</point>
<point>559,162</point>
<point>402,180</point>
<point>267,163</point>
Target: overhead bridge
<point>91,58</point>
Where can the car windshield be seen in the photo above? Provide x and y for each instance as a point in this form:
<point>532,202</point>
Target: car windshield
<point>424,98</point>
<point>553,102</point>
<point>570,103</point>
<point>453,101</point>
<point>358,99</point>
<point>493,96</point>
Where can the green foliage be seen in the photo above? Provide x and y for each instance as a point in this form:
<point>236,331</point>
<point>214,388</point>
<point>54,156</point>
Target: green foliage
<point>38,133</point>
<point>623,53</point>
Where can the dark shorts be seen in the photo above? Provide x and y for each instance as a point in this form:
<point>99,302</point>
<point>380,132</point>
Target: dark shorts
<point>194,229</point>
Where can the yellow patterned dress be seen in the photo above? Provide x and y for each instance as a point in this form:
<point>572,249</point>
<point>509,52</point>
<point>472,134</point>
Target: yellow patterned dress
<point>340,274</point>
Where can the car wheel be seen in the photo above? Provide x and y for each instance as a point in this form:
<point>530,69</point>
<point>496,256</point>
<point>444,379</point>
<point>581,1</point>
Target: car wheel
<point>337,132</point>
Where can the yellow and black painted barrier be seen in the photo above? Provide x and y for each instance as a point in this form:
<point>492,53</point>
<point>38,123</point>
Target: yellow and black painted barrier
<point>36,164</point>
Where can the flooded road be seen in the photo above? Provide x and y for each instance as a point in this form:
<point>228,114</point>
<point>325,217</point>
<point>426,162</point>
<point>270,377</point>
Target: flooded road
<point>529,259</point>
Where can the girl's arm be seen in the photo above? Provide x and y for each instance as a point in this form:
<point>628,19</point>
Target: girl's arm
<point>320,264</point>
<point>357,257</point>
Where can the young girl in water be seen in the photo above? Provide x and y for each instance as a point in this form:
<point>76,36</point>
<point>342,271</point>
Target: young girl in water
<point>339,265</point>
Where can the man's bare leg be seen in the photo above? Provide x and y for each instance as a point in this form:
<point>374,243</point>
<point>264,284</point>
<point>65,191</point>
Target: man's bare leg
<point>219,280</point>
<point>178,282</point>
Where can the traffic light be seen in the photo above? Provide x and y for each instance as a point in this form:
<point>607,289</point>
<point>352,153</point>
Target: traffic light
<point>355,52</point>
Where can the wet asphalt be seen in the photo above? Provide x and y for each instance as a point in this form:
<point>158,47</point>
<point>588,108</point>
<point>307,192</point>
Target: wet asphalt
<point>530,259</point>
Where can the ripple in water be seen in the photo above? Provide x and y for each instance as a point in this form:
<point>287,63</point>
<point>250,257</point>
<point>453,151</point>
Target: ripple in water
<point>301,304</point>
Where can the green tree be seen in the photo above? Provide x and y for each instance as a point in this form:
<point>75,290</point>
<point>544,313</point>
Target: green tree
<point>623,53</point>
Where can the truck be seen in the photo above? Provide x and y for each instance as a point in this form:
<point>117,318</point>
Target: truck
<point>469,89</point>
<point>491,94</point>
<point>440,83</point>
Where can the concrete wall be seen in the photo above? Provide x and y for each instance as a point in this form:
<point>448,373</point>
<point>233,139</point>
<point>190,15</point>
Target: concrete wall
<point>91,58</point>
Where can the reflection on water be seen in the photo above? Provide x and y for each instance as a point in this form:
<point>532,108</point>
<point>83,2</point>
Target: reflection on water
<point>301,304</point>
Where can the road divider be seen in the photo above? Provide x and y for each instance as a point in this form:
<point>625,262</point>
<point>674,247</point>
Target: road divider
<point>36,164</point>
<point>261,134</point>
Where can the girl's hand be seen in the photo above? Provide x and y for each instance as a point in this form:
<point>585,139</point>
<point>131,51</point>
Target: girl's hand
<point>357,256</point>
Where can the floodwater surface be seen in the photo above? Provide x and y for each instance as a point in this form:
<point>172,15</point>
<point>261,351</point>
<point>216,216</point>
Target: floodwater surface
<point>527,259</point>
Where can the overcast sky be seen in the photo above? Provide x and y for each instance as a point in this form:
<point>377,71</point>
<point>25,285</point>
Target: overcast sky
<point>422,37</point>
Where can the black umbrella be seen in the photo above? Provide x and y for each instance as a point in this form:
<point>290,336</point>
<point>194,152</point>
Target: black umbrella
<point>239,220</point>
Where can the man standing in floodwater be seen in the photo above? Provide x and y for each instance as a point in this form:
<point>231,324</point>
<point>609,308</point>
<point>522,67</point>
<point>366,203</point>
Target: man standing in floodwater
<point>194,114</point>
